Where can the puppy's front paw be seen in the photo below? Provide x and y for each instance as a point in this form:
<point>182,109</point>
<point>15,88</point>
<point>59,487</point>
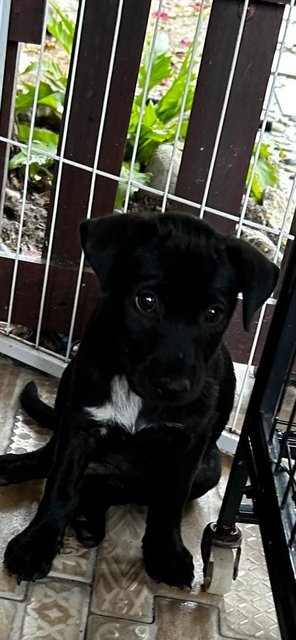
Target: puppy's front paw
<point>30,554</point>
<point>168,561</point>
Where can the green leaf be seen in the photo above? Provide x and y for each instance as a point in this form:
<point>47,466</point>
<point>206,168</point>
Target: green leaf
<point>149,116</point>
<point>44,136</point>
<point>43,141</point>
<point>170,104</point>
<point>266,172</point>
<point>55,101</point>
<point>61,27</point>
<point>138,176</point>
<point>160,119</point>
<point>160,70</point>
<point>37,162</point>
<point>52,71</point>
<point>18,160</point>
<point>46,95</point>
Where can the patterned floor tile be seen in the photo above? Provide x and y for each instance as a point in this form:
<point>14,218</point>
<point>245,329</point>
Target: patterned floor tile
<point>26,435</point>
<point>103,628</point>
<point>185,620</point>
<point>13,379</point>
<point>174,620</point>
<point>122,588</point>
<point>74,561</point>
<point>55,610</point>
<point>11,615</point>
<point>248,610</point>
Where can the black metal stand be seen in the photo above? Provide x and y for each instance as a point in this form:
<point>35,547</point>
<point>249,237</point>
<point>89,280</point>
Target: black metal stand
<point>265,456</point>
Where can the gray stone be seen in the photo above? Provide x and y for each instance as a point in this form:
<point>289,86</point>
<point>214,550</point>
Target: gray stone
<point>256,213</point>
<point>272,211</point>
<point>159,164</point>
<point>3,247</point>
<point>261,242</point>
<point>12,196</point>
<point>9,233</point>
<point>275,204</point>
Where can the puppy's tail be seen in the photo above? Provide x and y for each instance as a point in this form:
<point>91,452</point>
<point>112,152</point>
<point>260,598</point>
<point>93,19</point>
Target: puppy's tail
<point>35,407</point>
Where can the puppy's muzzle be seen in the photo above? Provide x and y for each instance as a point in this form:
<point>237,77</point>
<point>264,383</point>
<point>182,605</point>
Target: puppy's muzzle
<point>169,388</point>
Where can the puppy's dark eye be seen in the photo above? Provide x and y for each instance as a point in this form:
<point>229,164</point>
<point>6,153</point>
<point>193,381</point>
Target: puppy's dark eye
<point>214,313</point>
<point>146,301</point>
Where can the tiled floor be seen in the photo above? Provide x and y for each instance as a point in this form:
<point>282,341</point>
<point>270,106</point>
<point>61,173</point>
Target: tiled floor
<point>105,594</point>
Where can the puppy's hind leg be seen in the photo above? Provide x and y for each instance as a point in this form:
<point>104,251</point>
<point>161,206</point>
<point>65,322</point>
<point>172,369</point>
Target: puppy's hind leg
<point>98,492</point>
<point>88,521</point>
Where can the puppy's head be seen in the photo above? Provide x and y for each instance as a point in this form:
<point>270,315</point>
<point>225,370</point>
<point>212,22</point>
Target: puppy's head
<point>171,285</point>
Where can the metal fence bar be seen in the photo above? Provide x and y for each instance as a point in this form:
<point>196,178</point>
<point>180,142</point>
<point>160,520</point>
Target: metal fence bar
<point>183,105</point>
<point>142,108</point>
<point>90,83</point>
<point>5,6</point>
<point>39,358</point>
<point>59,171</point>
<point>96,159</point>
<point>232,426</point>
<point>27,168</point>
<point>287,213</point>
<point>224,107</point>
<point>244,107</point>
<point>264,123</point>
<point>152,190</point>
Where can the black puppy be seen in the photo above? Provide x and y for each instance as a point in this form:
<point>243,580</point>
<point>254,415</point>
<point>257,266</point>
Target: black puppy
<point>148,393</point>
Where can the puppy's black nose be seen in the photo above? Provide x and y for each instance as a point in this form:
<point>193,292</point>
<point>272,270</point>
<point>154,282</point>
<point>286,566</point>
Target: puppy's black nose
<point>167,385</point>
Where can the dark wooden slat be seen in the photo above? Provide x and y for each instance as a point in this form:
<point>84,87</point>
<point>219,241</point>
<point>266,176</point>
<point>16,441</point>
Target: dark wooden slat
<point>26,21</point>
<point>25,25</point>
<point>244,107</point>
<point>86,110</point>
<point>240,125</point>
<point>239,342</point>
<point>60,296</point>
<point>6,114</point>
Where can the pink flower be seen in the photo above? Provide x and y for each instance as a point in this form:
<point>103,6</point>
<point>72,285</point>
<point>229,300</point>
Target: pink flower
<point>163,15</point>
<point>186,42</point>
<point>197,6</point>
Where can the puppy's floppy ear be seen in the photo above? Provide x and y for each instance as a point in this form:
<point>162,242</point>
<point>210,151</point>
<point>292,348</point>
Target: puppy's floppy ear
<point>257,276</point>
<point>105,240</point>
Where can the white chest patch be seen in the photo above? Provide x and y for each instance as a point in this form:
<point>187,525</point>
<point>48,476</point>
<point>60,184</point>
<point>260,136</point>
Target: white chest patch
<point>123,408</point>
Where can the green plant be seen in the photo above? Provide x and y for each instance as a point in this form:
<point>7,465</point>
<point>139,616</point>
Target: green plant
<point>44,141</point>
<point>139,176</point>
<point>52,86</point>
<point>266,172</point>
<point>159,121</point>
<point>51,97</point>
<point>61,27</point>
<point>51,90</point>
<point>160,117</point>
